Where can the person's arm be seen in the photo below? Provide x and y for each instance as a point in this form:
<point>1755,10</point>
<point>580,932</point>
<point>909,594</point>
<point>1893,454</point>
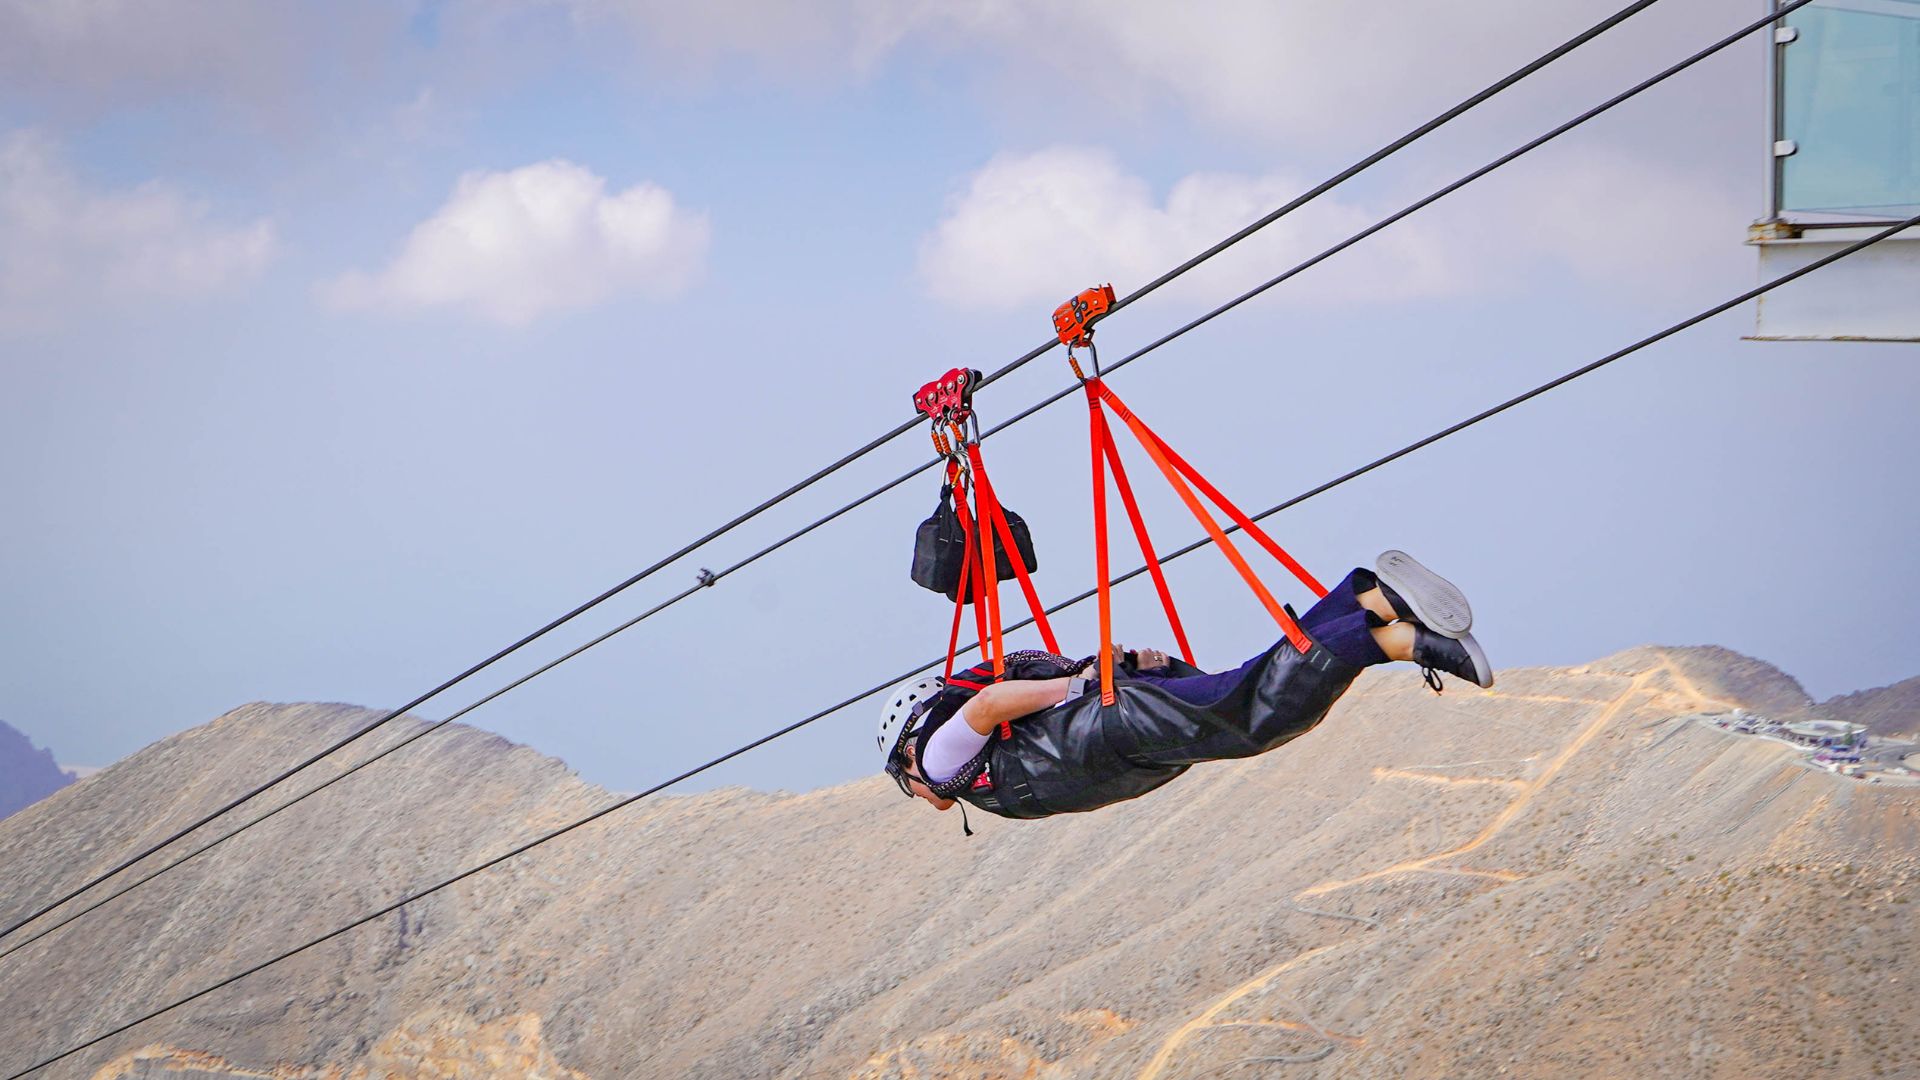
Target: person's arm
<point>1006,701</point>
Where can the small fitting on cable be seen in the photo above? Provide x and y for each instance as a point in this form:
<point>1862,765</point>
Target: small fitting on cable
<point>708,578</point>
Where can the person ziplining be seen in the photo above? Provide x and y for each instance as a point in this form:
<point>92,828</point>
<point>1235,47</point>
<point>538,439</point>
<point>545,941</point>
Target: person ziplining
<point>1064,755</point>
<point>1033,734</point>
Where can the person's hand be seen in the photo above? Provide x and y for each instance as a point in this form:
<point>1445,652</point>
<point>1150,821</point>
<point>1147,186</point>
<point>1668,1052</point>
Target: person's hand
<point>1149,659</point>
<point>1093,666</point>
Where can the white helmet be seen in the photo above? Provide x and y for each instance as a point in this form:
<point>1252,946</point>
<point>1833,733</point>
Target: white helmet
<point>909,700</point>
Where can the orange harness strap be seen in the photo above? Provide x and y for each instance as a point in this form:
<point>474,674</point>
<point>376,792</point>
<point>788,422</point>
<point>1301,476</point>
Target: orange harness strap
<point>971,567</point>
<point>987,594</point>
<point>991,509</point>
<point>966,568</point>
<point>1251,527</point>
<point>989,583</point>
<point>993,522</point>
<point>1097,425</point>
<point>959,604</point>
<point>1177,476</point>
<point>1139,524</point>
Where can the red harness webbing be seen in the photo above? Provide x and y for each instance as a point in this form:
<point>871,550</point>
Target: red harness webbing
<point>1152,559</point>
<point>980,574</point>
<point>966,573</point>
<point>991,501</point>
<point>1097,424</point>
<point>970,568</point>
<point>1240,518</point>
<point>1252,528</point>
<point>987,595</point>
<point>1178,473</point>
<point>989,576</point>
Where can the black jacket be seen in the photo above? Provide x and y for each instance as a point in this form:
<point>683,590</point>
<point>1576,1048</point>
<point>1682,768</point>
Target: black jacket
<point>1081,756</point>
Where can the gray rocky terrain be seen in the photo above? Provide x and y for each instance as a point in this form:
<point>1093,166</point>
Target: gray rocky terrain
<point>1563,877</point>
<point>1886,711</point>
<point>27,773</point>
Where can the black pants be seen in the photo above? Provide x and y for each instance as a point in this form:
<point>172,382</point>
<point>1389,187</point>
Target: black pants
<point>1337,622</point>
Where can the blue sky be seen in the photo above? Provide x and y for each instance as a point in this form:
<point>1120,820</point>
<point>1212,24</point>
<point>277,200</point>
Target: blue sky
<point>307,400</point>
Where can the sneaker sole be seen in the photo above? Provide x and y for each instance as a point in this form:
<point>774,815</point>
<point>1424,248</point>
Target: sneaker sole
<point>1439,604</point>
<point>1482,670</point>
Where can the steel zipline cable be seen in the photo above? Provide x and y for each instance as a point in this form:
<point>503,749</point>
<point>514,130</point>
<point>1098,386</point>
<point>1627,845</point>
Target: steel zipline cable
<point>1453,429</point>
<point>1322,188</point>
<point>903,478</point>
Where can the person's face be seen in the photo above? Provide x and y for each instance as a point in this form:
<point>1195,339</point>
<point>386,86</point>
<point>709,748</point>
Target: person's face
<point>919,787</point>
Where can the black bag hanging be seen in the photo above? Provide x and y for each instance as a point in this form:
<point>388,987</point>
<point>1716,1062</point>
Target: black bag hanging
<point>940,548</point>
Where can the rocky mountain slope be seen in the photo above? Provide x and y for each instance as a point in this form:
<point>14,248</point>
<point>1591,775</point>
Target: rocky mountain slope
<point>1564,877</point>
<point>27,773</point>
<point>1885,711</point>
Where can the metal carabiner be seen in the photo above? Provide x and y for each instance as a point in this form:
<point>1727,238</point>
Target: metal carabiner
<point>1093,354</point>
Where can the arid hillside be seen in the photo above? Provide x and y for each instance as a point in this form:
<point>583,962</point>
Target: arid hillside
<point>1888,710</point>
<point>1566,877</point>
<point>27,773</point>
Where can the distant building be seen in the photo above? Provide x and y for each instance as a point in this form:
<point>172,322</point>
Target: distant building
<point>1828,735</point>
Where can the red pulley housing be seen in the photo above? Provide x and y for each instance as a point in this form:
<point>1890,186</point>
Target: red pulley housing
<point>1073,320</point>
<point>949,397</point>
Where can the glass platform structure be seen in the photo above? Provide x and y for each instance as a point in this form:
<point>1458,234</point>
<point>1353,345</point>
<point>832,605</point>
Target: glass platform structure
<point>1843,161</point>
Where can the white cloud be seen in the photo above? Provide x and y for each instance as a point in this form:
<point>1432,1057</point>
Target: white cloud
<point>513,246</point>
<point>1032,228</point>
<point>1036,227</point>
<point>276,61</point>
<point>1617,218</point>
<point>809,37</point>
<point>1597,219</point>
<point>1320,74</point>
<point>92,44</point>
<point>1290,70</point>
<point>64,247</point>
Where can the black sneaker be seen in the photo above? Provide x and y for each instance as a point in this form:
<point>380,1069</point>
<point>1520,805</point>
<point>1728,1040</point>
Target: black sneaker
<point>1460,657</point>
<point>1419,594</point>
